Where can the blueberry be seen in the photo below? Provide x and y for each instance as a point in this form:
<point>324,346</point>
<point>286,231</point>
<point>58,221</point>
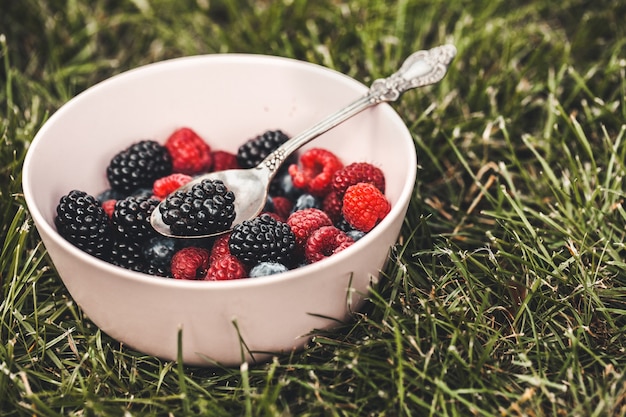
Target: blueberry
<point>142,193</point>
<point>110,194</point>
<point>306,201</point>
<point>267,268</point>
<point>355,234</point>
<point>269,205</point>
<point>282,185</point>
<point>159,250</point>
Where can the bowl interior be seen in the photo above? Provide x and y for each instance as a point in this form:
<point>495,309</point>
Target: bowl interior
<point>227,99</point>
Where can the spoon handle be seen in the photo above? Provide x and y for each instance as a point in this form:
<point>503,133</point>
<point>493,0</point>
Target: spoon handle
<point>420,69</point>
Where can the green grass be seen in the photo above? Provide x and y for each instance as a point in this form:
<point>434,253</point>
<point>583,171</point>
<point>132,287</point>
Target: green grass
<point>506,292</point>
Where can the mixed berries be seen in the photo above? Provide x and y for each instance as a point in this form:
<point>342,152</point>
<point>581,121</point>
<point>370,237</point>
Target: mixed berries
<point>317,207</point>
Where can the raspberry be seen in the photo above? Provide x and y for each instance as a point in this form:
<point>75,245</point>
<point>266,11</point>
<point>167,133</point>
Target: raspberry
<point>332,206</point>
<point>304,222</point>
<point>167,185</point>
<point>220,248</point>
<point>109,207</point>
<point>324,242</point>
<point>190,263</point>
<point>223,160</point>
<point>282,206</point>
<point>364,206</point>
<point>138,166</point>
<point>226,268</point>
<point>267,268</point>
<point>316,170</point>
<point>190,153</point>
<point>355,173</point>
<point>255,150</point>
<point>262,239</point>
<point>131,217</point>
<point>206,208</point>
<point>82,221</point>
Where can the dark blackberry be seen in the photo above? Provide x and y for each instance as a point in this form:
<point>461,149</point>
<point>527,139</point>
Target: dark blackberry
<point>127,254</point>
<point>131,217</point>
<point>82,221</point>
<point>262,239</point>
<point>139,166</point>
<point>255,150</point>
<point>208,207</point>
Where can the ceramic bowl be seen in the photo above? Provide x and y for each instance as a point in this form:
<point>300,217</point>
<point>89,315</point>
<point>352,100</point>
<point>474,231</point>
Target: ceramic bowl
<point>227,99</point>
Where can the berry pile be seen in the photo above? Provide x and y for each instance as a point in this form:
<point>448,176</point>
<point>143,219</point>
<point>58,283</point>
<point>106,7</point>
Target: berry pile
<point>317,207</point>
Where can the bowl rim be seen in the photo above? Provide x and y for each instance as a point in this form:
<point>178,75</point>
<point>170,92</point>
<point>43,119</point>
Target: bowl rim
<point>397,209</point>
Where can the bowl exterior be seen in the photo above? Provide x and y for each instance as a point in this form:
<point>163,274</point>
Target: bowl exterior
<point>227,99</point>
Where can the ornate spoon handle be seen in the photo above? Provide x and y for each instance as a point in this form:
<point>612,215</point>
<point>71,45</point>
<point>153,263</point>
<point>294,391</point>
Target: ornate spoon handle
<point>420,69</point>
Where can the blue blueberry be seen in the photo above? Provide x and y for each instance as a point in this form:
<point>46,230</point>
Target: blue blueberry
<point>306,201</point>
<point>159,250</point>
<point>267,268</point>
<point>355,234</point>
<point>110,194</point>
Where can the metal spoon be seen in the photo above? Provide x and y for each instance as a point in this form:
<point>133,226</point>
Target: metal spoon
<point>250,186</point>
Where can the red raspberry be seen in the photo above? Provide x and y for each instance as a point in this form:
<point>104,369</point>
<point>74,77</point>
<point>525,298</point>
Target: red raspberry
<point>167,185</point>
<point>304,222</point>
<point>332,206</point>
<point>282,206</point>
<point>220,248</point>
<point>324,242</point>
<point>358,172</point>
<point>190,153</point>
<point>223,160</point>
<point>226,268</point>
<point>315,172</point>
<point>109,207</point>
<point>190,263</point>
<point>364,206</point>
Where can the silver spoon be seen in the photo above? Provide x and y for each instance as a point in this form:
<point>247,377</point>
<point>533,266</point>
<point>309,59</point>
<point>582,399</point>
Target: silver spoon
<point>419,69</point>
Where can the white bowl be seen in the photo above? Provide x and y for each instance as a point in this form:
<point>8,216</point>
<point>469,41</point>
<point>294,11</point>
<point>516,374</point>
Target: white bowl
<point>227,99</point>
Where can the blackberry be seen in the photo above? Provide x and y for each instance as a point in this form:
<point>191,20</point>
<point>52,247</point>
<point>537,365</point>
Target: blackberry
<point>82,221</point>
<point>208,207</point>
<point>262,239</point>
<point>127,254</point>
<point>131,217</point>
<point>139,166</point>
<point>255,150</point>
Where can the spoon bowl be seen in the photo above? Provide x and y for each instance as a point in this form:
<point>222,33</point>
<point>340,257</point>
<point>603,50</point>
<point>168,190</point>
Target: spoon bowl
<point>250,186</point>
